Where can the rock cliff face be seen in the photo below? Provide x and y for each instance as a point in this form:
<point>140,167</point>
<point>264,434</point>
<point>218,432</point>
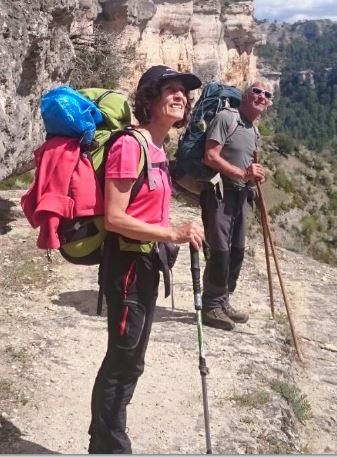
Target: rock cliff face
<point>285,33</point>
<point>214,38</point>
<point>35,52</point>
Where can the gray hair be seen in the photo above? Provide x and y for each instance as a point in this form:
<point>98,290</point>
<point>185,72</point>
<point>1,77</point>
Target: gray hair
<point>249,84</point>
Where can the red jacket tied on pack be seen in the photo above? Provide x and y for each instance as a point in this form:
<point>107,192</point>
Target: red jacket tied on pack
<point>65,186</point>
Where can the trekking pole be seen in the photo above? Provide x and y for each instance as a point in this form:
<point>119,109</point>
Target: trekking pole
<point>266,222</point>
<point>195,269</point>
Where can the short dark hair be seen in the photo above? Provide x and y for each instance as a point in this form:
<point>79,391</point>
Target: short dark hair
<point>146,95</point>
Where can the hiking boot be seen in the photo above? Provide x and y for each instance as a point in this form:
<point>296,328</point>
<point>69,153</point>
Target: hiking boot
<point>217,318</point>
<point>236,316</point>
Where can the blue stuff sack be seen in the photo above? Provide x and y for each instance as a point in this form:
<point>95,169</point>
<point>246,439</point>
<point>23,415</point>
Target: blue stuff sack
<point>65,112</point>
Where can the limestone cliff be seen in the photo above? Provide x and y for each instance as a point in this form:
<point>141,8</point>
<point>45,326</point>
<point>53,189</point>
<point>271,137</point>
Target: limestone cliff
<point>35,52</point>
<point>214,38</point>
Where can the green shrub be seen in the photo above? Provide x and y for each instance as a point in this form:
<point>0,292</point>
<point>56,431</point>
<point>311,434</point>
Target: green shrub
<point>99,63</point>
<point>333,201</point>
<point>279,209</point>
<point>299,200</point>
<point>282,180</point>
<point>171,149</point>
<point>265,130</point>
<point>323,252</point>
<point>284,143</point>
<point>309,225</point>
<point>17,182</point>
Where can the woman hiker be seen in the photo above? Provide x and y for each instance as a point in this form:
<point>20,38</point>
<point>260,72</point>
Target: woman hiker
<point>131,273</point>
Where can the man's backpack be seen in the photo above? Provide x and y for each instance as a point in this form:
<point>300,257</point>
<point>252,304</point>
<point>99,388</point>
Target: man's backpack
<point>188,169</point>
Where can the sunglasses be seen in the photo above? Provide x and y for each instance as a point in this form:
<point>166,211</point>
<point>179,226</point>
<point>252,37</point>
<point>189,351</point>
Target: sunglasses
<point>258,91</point>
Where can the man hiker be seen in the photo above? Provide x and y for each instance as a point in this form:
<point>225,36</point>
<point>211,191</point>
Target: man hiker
<point>224,205</point>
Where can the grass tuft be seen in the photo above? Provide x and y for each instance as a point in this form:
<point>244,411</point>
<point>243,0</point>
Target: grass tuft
<point>17,182</point>
<point>246,370</point>
<point>253,399</point>
<point>298,401</point>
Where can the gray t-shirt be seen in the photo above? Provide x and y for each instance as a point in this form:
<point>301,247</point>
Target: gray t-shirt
<point>239,148</point>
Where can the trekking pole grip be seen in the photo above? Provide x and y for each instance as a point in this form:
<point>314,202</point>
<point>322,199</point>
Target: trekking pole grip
<point>195,269</point>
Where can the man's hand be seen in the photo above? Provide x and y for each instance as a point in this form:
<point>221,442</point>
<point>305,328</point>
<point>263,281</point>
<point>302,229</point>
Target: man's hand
<point>255,173</point>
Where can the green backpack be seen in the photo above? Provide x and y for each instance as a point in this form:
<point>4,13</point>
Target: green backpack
<point>82,238</point>
<point>96,117</point>
<point>117,115</point>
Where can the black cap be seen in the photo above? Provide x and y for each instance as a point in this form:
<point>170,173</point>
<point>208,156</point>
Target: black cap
<point>161,72</point>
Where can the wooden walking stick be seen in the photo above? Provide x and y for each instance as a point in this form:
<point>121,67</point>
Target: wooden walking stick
<point>266,250</point>
<point>267,227</point>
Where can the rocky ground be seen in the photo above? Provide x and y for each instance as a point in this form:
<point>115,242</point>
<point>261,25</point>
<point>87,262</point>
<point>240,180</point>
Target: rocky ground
<point>262,399</point>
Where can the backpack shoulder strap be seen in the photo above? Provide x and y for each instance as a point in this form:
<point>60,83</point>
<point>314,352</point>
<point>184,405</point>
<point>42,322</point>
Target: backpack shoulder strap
<point>145,161</point>
<point>235,119</point>
<point>145,164</point>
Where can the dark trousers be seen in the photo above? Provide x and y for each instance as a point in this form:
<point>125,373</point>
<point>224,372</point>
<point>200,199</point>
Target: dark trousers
<point>131,289</point>
<point>224,219</point>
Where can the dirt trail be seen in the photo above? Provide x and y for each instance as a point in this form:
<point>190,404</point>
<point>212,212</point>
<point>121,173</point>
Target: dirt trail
<point>52,344</point>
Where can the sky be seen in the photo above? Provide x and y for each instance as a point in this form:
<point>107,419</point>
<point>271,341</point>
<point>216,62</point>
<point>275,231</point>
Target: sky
<point>292,11</point>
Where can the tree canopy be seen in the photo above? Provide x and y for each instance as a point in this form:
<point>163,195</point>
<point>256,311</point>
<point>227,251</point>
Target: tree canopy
<point>306,109</point>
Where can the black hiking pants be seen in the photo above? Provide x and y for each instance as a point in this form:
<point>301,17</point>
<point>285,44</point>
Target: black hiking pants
<point>131,282</point>
<point>224,220</point>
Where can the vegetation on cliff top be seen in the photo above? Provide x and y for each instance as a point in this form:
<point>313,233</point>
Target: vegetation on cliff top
<point>302,127</point>
<point>305,110</point>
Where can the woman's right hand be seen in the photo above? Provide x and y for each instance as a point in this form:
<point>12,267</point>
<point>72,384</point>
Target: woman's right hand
<point>190,232</point>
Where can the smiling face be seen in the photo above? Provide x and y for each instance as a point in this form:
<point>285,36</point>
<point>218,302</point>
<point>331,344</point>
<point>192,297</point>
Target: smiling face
<point>172,103</point>
<point>257,99</point>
